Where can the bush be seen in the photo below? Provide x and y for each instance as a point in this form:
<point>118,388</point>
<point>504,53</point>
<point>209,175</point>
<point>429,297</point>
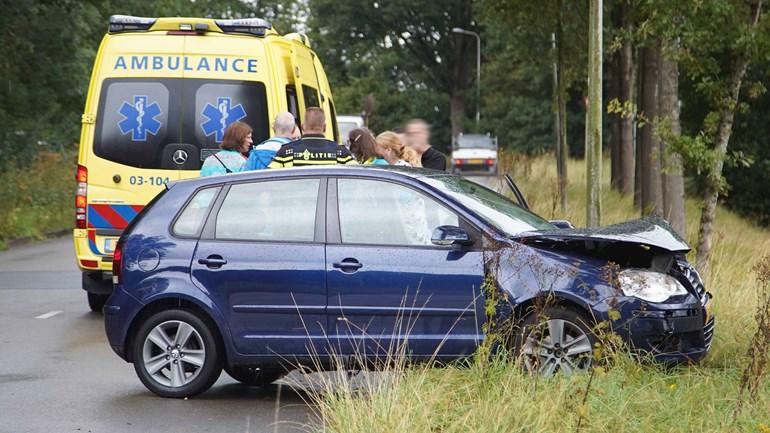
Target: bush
<point>37,198</point>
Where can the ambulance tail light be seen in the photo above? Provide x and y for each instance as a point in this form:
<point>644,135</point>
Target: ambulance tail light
<point>459,162</point>
<point>81,197</point>
<point>490,162</point>
<point>126,23</point>
<point>117,262</point>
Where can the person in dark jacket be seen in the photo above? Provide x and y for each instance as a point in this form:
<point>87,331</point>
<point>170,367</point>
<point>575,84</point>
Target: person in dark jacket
<point>418,138</point>
<point>313,148</point>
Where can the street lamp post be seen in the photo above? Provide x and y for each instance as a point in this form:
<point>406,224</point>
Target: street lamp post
<point>478,69</point>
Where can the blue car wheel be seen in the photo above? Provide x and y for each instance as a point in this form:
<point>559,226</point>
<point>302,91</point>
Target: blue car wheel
<point>555,340</point>
<point>176,354</point>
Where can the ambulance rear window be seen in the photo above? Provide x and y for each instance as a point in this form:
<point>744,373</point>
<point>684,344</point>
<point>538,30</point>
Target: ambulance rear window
<point>174,123</point>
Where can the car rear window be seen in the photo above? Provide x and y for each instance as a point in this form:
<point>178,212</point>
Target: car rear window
<point>142,122</point>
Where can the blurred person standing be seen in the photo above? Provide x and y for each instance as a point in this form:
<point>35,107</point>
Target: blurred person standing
<point>313,148</point>
<point>236,142</point>
<point>418,136</point>
<point>286,131</point>
<point>363,146</point>
<point>393,150</point>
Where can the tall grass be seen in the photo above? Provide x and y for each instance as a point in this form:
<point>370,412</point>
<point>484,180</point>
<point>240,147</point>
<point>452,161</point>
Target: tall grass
<point>738,245</point>
<point>37,198</point>
<point>496,396</point>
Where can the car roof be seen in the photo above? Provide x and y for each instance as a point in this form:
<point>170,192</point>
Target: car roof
<point>381,171</point>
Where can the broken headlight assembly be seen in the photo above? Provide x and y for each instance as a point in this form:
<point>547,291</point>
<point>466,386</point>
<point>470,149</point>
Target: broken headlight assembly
<point>649,286</point>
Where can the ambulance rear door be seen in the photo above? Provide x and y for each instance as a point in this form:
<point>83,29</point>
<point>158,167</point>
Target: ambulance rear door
<point>137,117</point>
<point>227,79</point>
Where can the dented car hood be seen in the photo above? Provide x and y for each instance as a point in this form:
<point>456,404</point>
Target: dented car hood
<point>649,231</point>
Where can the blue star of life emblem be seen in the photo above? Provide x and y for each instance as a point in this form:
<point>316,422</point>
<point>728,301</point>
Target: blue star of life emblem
<point>139,118</point>
<point>220,117</point>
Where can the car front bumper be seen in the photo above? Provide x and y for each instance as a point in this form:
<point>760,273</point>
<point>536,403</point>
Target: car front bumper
<point>671,333</point>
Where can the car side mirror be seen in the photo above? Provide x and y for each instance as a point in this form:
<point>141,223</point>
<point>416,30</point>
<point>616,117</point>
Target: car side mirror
<point>450,235</point>
<point>562,224</point>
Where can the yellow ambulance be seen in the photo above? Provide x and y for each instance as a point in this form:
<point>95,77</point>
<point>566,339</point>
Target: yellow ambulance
<point>162,92</point>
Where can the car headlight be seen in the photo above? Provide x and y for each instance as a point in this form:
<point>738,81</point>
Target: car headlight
<point>650,286</point>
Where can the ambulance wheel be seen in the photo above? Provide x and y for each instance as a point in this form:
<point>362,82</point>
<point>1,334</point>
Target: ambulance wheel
<point>96,302</point>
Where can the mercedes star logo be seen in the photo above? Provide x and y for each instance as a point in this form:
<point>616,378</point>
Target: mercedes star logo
<point>180,157</point>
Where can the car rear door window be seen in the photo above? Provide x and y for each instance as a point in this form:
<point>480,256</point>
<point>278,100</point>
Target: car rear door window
<point>269,211</point>
<point>190,221</point>
<point>385,213</point>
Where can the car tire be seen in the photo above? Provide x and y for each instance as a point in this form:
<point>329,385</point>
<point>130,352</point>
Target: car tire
<point>96,302</point>
<point>255,376</point>
<point>190,362</point>
<point>572,349</point>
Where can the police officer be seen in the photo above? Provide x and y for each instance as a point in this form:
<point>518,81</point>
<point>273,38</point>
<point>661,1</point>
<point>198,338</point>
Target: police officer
<point>313,148</point>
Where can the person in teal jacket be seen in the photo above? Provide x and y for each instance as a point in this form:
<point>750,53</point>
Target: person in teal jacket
<point>230,159</point>
<point>286,131</point>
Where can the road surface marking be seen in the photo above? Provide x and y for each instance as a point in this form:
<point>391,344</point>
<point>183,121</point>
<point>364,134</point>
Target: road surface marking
<point>48,315</point>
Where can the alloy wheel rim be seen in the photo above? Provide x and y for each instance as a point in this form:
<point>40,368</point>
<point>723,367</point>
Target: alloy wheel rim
<point>173,353</point>
<point>556,345</point>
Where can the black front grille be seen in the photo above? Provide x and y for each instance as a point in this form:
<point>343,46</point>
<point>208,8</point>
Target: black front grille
<point>689,272</point>
<point>708,332</point>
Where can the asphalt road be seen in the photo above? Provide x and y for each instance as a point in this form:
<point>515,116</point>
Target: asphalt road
<point>58,374</point>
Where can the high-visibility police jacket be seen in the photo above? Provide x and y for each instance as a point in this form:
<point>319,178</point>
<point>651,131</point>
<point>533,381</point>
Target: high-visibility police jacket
<point>311,149</point>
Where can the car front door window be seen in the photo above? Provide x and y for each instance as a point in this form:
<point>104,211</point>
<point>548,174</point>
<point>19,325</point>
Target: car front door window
<point>384,213</point>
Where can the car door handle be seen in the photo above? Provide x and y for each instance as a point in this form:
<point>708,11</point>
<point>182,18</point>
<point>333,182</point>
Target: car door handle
<point>348,264</point>
<point>213,261</point>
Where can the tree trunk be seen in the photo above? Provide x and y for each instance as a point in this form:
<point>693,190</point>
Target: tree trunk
<point>564,153</point>
<point>652,185</point>
<point>594,126</point>
<point>556,116</point>
<point>561,108</point>
<point>673,180</point>
<point>724,129</point>
<point>457,111</point>
<point>615,119</point>
<point>627,93</point>
<point>465,53</point>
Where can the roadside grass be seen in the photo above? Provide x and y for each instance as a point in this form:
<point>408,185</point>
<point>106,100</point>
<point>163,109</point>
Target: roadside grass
<point>496,396</point>
<point>39,198</point>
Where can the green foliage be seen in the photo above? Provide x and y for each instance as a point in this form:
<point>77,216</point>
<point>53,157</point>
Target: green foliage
<point>517,100</point>
<point>406,58</point>
<point>37,198</point>
<point>750,190</point>
<point>44,73</point>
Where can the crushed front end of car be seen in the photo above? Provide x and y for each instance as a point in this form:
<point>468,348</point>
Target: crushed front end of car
<point>635,276</point>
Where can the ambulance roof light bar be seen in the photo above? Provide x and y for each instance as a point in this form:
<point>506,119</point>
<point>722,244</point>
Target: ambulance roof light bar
<point>126,23</point>
<point>250,26</point>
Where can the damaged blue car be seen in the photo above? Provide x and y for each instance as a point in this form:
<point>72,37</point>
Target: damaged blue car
<point>257,272</point>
